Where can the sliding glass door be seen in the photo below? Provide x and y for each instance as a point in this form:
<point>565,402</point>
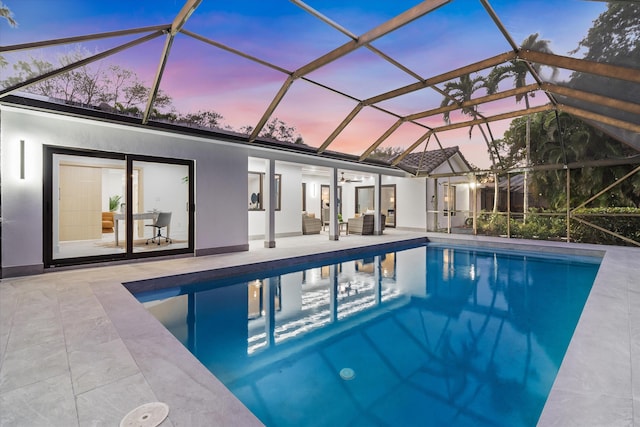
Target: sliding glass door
<point>87,199</point>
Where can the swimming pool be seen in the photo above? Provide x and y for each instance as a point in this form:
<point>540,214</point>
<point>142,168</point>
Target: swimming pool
<point>434,335</point>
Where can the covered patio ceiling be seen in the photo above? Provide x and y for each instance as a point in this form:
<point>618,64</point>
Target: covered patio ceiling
<point>350,77</point>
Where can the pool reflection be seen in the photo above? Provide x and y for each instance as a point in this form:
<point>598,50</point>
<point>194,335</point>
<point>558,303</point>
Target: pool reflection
<point>469,337</point>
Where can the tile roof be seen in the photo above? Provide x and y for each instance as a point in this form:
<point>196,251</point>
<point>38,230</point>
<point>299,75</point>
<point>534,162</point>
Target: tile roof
<point>428,161</point>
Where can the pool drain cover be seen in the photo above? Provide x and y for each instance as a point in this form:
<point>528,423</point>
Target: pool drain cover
<point>147,415</point>
<point>347,374</point>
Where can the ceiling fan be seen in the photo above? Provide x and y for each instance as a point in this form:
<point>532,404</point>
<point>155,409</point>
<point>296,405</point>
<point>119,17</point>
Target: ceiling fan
<point>343,179</point>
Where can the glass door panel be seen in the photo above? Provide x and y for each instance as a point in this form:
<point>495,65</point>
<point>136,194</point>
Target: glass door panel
<point>86,196</point>
<point>159,206</point>
<point>388,204</point>
<point>364,199</point>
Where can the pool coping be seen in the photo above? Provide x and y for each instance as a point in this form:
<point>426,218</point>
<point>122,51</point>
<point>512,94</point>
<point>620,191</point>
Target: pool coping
<point>598,382</point>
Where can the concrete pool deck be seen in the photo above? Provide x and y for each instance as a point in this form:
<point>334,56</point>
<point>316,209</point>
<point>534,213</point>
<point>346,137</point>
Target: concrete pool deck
<point>76,348</point>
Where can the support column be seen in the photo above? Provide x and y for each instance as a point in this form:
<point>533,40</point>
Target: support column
<point>434,208</point>
<point>377,197</point>
<point>269,204</point>
<point>334,233</point>
<point>568,205</point>
<point>508,205</point>
<point>449,200</point>
<point>475,205</point>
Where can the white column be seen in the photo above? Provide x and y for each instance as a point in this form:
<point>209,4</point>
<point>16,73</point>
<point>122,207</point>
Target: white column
<point>334,233</point>
<point>269,204</point>
<point>377,196</point>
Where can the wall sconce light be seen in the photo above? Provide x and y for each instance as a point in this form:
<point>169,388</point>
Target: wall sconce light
<point>314,190</point>
<point>22,159</point>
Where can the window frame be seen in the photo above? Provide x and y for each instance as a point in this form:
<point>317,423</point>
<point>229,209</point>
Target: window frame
<point>260,206</point>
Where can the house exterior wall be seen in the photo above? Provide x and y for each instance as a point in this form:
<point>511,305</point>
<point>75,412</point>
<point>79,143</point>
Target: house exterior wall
<point>223,222</point>
<point>436,191</point>
<point>314,184</point>
<point>411,207</point>
<point>220,169</point>
<point>288,220</point>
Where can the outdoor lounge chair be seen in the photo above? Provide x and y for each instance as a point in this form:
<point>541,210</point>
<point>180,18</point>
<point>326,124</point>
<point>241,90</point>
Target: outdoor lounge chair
<point>364,224</point>
<point>311,224</point>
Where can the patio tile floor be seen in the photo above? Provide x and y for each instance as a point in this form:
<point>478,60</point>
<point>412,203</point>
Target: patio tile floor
<point>76,348</point>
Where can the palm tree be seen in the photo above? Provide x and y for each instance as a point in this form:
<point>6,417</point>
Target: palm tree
<point>519,70</point>
<point>6,13</point>
<point>462,90</point>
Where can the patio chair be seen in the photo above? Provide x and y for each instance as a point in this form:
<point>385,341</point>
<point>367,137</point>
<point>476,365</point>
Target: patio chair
<point>311,224</point>
<point>364,224</point>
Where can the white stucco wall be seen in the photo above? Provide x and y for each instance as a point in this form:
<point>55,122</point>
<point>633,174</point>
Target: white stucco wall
<point>314,184</point>
<point>288,220</point>
<point>222,220</point>
<point>220,169</point>
<point>462,195</point>
<point>410,202</point>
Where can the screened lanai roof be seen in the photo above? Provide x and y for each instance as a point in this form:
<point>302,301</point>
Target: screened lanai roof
<point>348,77</point>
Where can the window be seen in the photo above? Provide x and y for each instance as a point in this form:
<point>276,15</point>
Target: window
<point>304,197</point>
<point>449,199</point>
<point>256,183</point>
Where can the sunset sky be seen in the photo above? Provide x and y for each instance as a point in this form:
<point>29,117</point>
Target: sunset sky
<point>199,76</point>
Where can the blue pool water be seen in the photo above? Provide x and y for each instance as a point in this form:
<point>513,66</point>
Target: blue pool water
<point>431,335</point>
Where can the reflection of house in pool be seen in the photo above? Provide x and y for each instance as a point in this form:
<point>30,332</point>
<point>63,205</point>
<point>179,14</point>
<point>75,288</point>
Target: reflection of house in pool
<point>320,299</point>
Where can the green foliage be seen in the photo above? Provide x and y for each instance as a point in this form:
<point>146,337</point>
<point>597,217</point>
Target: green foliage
<point>385,153</point>
<point>6,13</point>
<point>578,142</point>
<point>114,202</point>
<point>537,226</point>
<point>208,119</point>
<point>491,224</point>
<point>544,227</point>
<point>614,35</point>
<point>548,225</point>
<point>277,129</point>
<point>462,90</point>
<point>622,222</point>
<point>118,87</point>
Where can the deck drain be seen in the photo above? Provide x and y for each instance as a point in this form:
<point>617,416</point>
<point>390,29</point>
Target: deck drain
<point>347,374</point>
<point>147,415</point>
